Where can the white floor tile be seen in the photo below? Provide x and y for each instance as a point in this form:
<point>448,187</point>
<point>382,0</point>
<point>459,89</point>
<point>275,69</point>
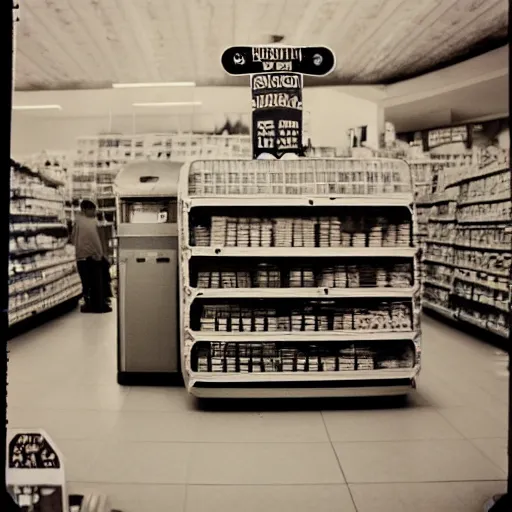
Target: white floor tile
<point>265,427</point>
<point>495,449</point>
<point>269,498</point>
<point>391,425</point>
<point>475,423</point>
<point>415,461</point>
<point>107,398</point>
<point>80,458</point>
<point>141,463</point>
<point>137,497</point>
<point>424,497</point>
<point>159,399</point>
<point>157,427</point>
<point>260,464</point>
<point>64,424</point>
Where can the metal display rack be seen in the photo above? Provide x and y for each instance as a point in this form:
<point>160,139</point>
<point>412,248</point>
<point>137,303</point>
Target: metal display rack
<point>299,278</point>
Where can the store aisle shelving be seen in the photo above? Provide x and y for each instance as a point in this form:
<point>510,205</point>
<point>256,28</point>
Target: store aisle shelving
<point>152,449</point>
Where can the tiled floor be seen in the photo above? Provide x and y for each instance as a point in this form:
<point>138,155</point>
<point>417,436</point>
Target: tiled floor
<point>153,450</point>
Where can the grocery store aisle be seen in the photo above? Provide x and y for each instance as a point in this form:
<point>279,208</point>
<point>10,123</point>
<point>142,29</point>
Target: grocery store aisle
<point>152,449</point>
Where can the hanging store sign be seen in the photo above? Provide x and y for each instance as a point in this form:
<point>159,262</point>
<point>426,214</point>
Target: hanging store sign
<point>276,89</point>
<point>445,136</point>
<point>251,60</point>
<point>276,113</point>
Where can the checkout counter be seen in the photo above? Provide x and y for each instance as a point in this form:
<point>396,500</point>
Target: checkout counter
<point>148,282</point>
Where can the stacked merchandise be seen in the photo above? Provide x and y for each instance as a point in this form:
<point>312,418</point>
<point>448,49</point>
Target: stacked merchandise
<point>470,261</point>
<point>42,270</point>
<point>353,230</point>
<point>323,284</point>
<point>317,316</point>
<point>358,274</point>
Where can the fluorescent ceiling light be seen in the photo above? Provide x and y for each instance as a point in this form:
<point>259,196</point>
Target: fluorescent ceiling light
<point>154,84</point>
<point>170,104</point>
<point>36,107</point>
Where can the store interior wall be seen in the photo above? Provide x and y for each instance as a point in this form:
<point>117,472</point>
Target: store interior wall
<point>473,91</point>
<point>329,114</point>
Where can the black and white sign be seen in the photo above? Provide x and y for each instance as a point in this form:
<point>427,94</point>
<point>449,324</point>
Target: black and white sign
<point>276,87</point>
<point>250,60</point>
<point>276,113</point>
<point>444,136</point>
<point>35,474</point>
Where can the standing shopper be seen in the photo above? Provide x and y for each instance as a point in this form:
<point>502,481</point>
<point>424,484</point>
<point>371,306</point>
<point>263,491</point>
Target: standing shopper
<point>89,255</point>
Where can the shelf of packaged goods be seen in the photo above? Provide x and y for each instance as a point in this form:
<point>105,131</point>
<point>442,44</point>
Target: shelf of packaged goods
<point>437,308</point>
<point>483,324</point>
<point>52,300</point>
<point>448,243</point>
<point>389,200</point>
<point>54,214</point>
<point>352,383</point>
<point>17,253</point>
<point>16,290</point>
<point>435,261</point>
<point>505,308</point>
<point>500,222</point>
<point>497,273</point>
<point>443,219</point>
<point>501,287</point>
<point>27,195</point>
<point>33,228</point>
<point>483,172</point>
<point>290,293</point>
<point>44,176</point>
<point>486,248</point>
<point>301,336</point>
<point>437,284</point>
<point>498,330</point>
<point>305,252</point>
<point>44,265</point>
<point>485,200</point>
<point>34,300</point>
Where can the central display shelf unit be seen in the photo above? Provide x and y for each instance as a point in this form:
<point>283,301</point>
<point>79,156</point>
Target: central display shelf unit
<point>299,278</point>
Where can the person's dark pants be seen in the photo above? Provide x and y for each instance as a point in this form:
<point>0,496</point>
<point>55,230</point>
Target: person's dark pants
<point>91,274</point>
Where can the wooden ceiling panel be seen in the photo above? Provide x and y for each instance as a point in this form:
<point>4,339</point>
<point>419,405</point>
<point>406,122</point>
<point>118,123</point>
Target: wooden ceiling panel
<point>94,43</point>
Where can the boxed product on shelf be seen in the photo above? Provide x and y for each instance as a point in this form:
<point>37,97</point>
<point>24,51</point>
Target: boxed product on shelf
<point>272,357</point>
<point>342,231</point>
<point>396,316</point>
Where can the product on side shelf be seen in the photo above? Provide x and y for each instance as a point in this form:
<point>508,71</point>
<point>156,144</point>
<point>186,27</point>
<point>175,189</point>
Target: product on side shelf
<point>42,269</point>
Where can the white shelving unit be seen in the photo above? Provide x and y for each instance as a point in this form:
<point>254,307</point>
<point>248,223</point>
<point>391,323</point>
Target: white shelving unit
<point>42,269</point>
<point>328,307</point>
<point>468,260</point>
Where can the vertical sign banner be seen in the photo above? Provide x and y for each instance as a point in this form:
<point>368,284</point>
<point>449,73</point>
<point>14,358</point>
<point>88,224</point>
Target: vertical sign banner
<point>276,113</point>
<point>276,86</point>
<point>34,470</point>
